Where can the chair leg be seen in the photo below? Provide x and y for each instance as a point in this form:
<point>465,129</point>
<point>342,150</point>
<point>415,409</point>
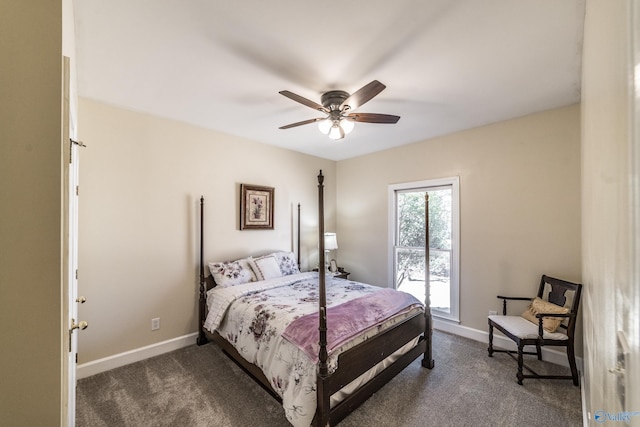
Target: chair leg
<point>520,375</point>
<point>490,349</point>
<point>572,364</point>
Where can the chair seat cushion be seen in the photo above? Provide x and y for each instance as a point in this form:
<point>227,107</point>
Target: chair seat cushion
<point>524,329</point>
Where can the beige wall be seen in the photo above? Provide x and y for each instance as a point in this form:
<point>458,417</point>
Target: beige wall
<point>519,206</point>
<point>141,179</point>
<point>31,324</point>
<point>607,148</point>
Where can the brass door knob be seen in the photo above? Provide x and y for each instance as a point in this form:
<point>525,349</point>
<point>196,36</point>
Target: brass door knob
<point>82,325</point>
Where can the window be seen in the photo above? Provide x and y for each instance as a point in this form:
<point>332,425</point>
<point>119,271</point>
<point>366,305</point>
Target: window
<point>406,228</point>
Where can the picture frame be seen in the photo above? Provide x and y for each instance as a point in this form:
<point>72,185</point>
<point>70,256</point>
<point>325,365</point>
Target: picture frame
<point>256,207</point>
<point>333,266</point>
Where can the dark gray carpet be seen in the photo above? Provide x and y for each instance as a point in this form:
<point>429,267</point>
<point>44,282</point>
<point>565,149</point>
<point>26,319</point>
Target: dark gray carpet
<point>200,386</point>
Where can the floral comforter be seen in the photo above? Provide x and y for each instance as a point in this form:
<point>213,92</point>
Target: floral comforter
<point>254,316</point>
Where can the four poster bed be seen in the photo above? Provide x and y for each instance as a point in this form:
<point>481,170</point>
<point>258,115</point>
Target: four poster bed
<point>320,345</point>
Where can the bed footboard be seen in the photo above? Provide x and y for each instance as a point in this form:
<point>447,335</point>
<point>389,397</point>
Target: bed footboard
<point>362,358</point>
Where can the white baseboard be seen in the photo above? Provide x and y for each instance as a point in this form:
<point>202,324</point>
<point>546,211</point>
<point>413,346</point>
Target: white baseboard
<point>553,356</point>
<point>101,365</point>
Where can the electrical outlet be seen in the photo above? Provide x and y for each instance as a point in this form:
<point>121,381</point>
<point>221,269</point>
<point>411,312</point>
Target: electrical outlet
<point>492,312</point>
<point>155,323</point>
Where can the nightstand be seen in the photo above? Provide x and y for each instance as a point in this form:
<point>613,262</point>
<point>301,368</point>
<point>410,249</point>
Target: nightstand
<point>340,274</point>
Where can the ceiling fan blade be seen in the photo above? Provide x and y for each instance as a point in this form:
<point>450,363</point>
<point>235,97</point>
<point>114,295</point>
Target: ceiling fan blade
<point>363,95</point>
<point>304,122</point>
<point>372,118</point>
<point>303,101</point>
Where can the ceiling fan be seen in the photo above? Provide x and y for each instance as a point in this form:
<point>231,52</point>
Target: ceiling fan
<point>337,105</point>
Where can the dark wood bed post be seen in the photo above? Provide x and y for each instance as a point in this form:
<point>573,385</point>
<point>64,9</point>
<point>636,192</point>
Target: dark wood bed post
<point>298,242</point>
<point>322,413</point>
<point>427,360</point>
<point>202,338</point>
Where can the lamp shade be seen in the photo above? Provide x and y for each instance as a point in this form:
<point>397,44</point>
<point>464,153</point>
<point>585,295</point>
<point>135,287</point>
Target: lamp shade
<point>336,132</point>
<point>325,125</point>
<point>330,241</point>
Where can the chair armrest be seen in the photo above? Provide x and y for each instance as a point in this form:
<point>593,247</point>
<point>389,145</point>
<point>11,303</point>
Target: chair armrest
<point>504,302</point>
<point>540,316</point>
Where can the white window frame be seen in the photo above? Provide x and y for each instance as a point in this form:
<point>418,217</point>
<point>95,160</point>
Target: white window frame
<point>454,290</point>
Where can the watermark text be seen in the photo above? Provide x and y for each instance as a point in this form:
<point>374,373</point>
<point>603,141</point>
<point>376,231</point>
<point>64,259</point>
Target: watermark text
<point>605,416</point>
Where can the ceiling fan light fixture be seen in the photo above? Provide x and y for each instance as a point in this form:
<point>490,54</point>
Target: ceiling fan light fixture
<point>336,129</point>
<point>325,125</point>
<point>347,126</point>
<point>336,132</point>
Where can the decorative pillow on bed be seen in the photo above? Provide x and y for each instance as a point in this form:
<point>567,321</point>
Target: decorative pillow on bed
<point>231,273</point>
<point>287,263</point>
<point>265,267</point>
<point>550,324</point>
<point>244,262</point>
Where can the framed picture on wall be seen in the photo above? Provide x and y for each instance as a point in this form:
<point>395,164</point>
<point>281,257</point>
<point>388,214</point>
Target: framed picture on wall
<point>256,207</point>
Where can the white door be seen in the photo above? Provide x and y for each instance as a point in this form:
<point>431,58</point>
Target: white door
<point>629,296</point>
<point>70,250</point>
<point>74,299</point>
<point>610,148</point>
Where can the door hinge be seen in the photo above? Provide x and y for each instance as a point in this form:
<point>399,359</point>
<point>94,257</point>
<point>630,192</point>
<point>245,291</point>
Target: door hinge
<point>76,358</point>
<point>77,190</point>
<point>76,274</point>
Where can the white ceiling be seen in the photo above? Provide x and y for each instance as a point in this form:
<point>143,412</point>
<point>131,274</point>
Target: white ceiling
<point>448,65</point>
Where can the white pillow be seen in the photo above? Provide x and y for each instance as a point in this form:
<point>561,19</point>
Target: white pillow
<point>265,267</point>
<point>244,262</point>
<point>287,262</point>
<point>230,273</point>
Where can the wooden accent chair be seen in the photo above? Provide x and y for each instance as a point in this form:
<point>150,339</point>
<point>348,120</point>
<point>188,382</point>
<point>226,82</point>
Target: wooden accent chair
<point>554,312</point>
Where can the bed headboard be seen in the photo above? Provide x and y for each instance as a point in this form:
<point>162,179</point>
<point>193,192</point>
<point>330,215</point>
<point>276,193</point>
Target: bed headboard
<point>207,281</point>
